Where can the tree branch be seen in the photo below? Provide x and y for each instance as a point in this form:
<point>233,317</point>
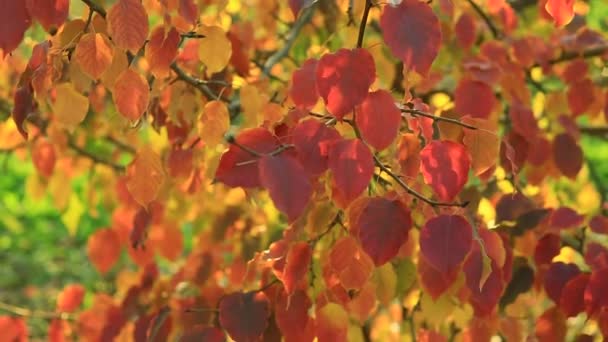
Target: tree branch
<point>495,32</point>
<point>368,6</point>
<point>415,112</point>
<point>23,312</point>
<point>291,38</point>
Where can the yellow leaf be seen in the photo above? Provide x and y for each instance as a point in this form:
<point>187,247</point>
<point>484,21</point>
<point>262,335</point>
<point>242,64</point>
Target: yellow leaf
<point>486,268</point>
<point>436,311</point>
<point>252,103</point>
<point>145,176</point>
<point>119,64</point>
<point>71,217</point>
<point>386,283</point>
<point>70,107</point>
<point>215,49</point>
<point>214,122</point>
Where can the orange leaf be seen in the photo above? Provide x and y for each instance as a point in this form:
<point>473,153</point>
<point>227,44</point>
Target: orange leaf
<point>483,144</point>
<point>562,11</point>
<point>131,94</point>
<point>145,176</point>
<point>128,24</point>
<point>94,54</point>
<point>161,50</point>
<point>103,249</point>
<point>70,298</point>
<point>70,107</point>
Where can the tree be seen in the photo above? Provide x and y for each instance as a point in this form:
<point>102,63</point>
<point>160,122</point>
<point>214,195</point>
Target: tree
<point>317,169</point>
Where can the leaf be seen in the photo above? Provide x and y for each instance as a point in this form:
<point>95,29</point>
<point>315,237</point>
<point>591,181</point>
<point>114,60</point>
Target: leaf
<point>303,90</point>
<point>203,333</point>
<point>466,31</point>
<point>44,157</point>
<point>483,298</point>
<point>595,295</point>
<point>565,218</point>
<point>131,94</point>
<point>473,98</point>
<point>309,136</point>
<point>386,283</point>
<point>547,247</point>
<point>599,224</point>
<point>167,240</point>
<point>188,10</point>
<point>291,315</point>
<point>49,13</point>
<point>445,167</point>
<point>70,107</point>
<point>567,155</point>
<point>14,21</point>
<point>411,30</point>
<point>556,278</point>
<point>551,326</point>
<point>352,266</point>
<point>572,301</point>
<point>409,155</point>
<point>562,11</point>
<point>483,144</point>
<point>331,323</point>
<point>581,96</point>
<point>244,316</point>
<point>161,50</point>
<point>94,53</point>
<point>287,183</point>
<point>25,105</point>
<point>445,241</point>
<point>352,166</point>
<point>343,79</point>
<point>214,122</point>
<point>70,298</point>
<point>520,283</point>
<point>378,119</point>
<point>119,64</point>
<point>383,226</point>
<point>296,265</point>
<point>434,282</point>
<point>128,24</point>
<point>240,168</point>
<point>145,176</point>
<point>215,49</point>
<point>103,249</point>
<point>13,329</point>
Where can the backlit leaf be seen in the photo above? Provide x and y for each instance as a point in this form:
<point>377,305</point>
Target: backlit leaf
<point>551,326</point>
<point>412,32</point>
<point>128,24</point>
<point>445,241</point>
<point>214,122</point>
<point>94,53</point>
<point>483,144</point>
<point>332,323</point>
<point>562,11</point>
<point>379,119</point>
<point>291,315</point>
<point>70,107</point>
<point>473,98</point>
<point>131,94</point>
<point>161,50</point>
<point>145,176</point>
<point>343,79</point>
<point>70,298</point>
<point>103,249</point>
<point>308,138</point>
<point>215,49</point>
<point>445,167</point>
<point>14,21</point>
<point>352,166</point>
<point>303,89</point>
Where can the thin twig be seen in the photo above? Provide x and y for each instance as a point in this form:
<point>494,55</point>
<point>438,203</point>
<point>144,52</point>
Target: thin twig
<point>415,112</point>
<point>289,41</point>
<point>495,32</point>
<point>368,6</point>
<point>337,220</point>
<point>93,157</point>
<point>23,312</point>
<point>95,7</point>
<point>193,81</point>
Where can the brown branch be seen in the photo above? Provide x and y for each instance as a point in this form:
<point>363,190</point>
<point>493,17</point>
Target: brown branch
<point>93,157</point>
<point>415,112</point>
<point>568,56</point>
<point>368,6</point>
<point>495,32</point>
<point>599,131</point>
<point>414,192</point>
<point>95,7</point>
<point>23,312</point>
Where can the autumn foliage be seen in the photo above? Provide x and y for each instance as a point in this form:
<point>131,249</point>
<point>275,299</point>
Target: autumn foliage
<point>327,170</point>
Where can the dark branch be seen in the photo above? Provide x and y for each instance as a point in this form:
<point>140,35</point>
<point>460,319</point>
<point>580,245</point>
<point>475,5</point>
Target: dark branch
<point>495,32</point>
<point>368,6</point>
<point>415,112</point>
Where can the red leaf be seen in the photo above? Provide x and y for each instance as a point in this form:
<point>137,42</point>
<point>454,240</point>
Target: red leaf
<point>24,106</point>
<point>202,333</point>
<point>596,295</point>
<point>70,298</point>
<point>581,96</point>
<point>411,30</point>
<point>434,282</point>
<point>483,300</point>
<point>551,326</point>
<point>383,226</point>
<point>296,266</point>
<point>596,255</point>
<point>240,168</point>
<point>308,136</point>
<point>43,157</point>
<point>567,155</point>
<point>161,50</point>
<point>245,315</point>
<point>599,224</point>
<point>103,249</point>
<point>352,167</point>
<point>474,98</point>
<point>565,218</point>
<point>575,71</point>
<point>562,11</point>
<point>556,278</point>
<point>547,248</point>
<point>466,31</point>
<point>379,119</point>
<point>13,329</point>
<point>445,167</point>
<point>291,315</point>
<point>287,183</point>
<point>14,21</point>
<point>572,295</point>
<point>524,122</point>
<point>50,13</point>
<point>188,10</point>
<point>445,241</point>
<point>131,94</point>
<point>303,89</point>
<point>343,79</point>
